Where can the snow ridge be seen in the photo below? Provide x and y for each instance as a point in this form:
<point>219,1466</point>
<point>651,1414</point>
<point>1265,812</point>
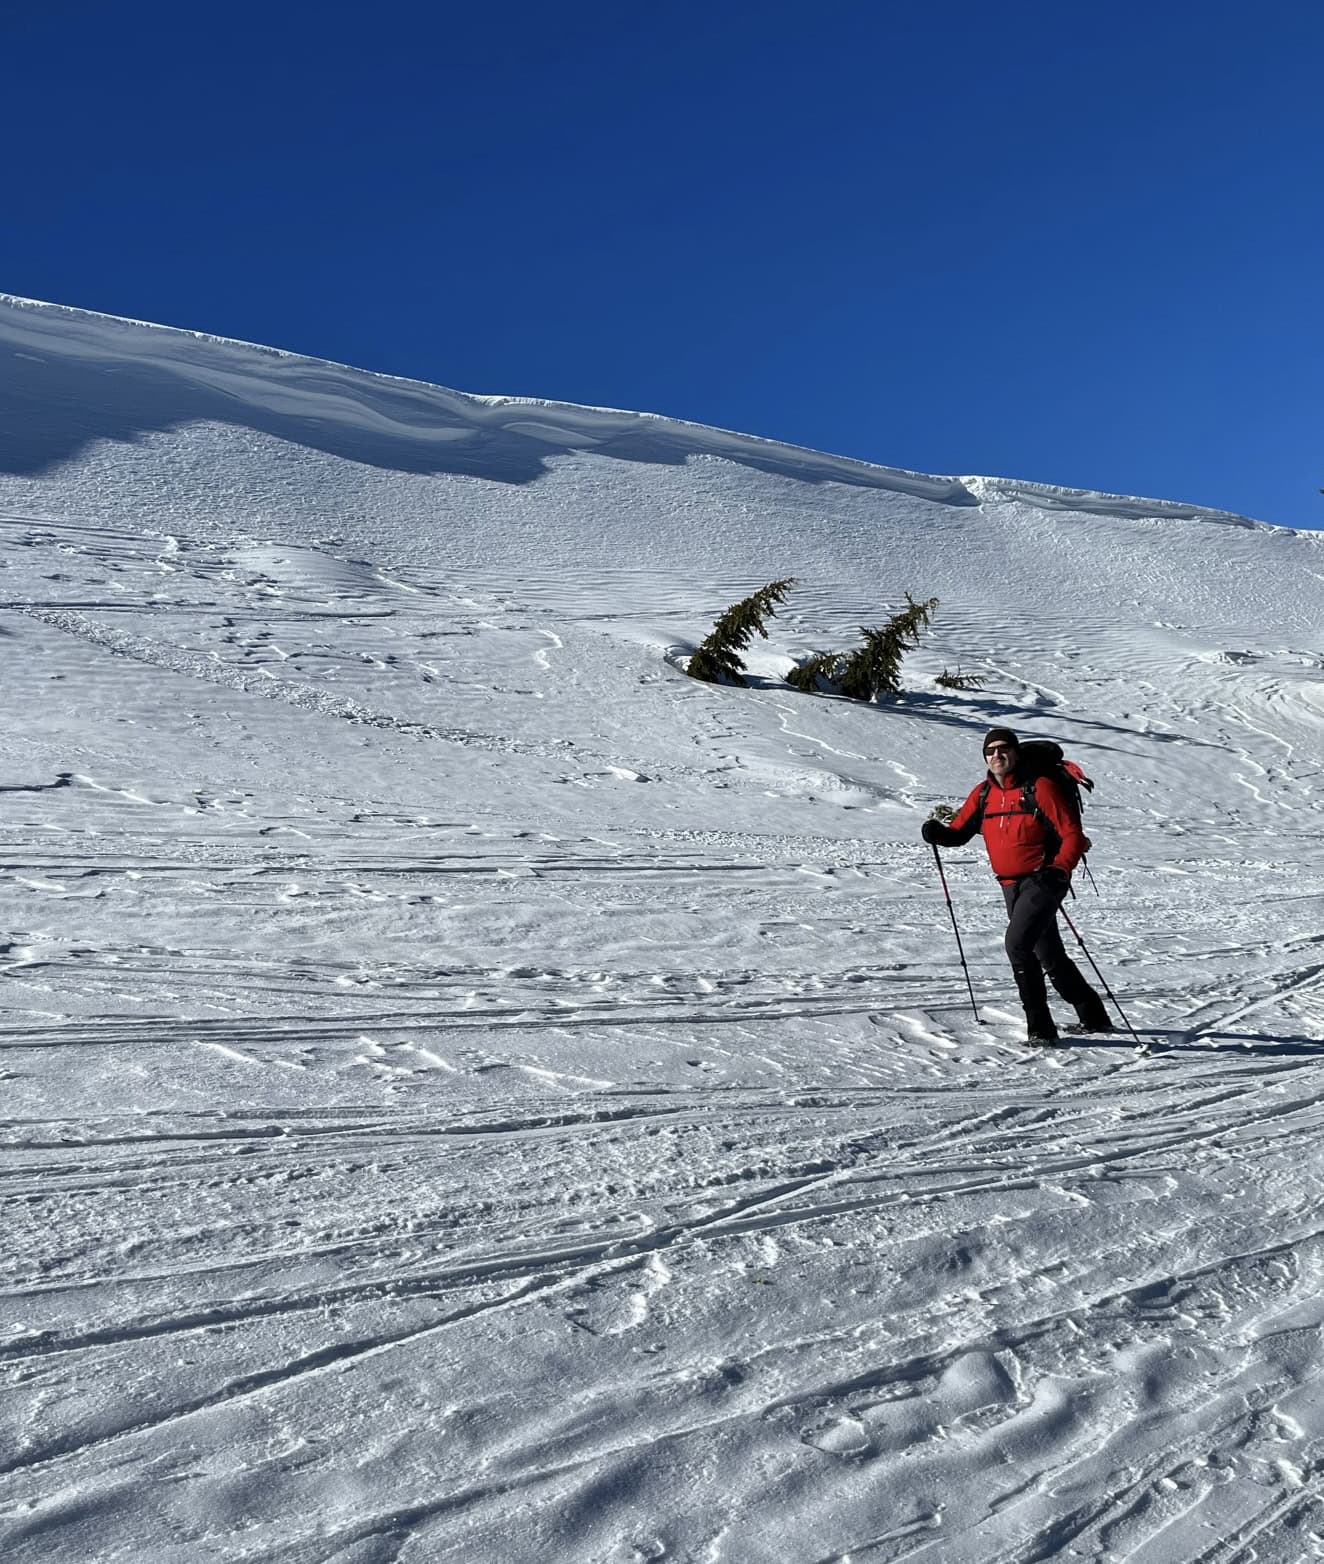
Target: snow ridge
<point>299,388</point>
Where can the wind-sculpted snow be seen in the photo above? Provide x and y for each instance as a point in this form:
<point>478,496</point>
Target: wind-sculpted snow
<point>1088,502</point>
<point>471,1092</point>
<point>152,378</point>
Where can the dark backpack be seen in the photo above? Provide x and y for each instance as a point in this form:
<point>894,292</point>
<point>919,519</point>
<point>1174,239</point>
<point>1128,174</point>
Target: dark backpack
<point>1042,758</point>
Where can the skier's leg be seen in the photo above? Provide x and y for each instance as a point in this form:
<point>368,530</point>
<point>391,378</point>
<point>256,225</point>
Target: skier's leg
<point>1067,978</point>
<point>1028,908</point>
<point>1039,1024</point>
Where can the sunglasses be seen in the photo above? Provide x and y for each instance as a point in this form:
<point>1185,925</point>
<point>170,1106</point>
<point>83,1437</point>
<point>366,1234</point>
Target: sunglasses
<point>1000,749</point>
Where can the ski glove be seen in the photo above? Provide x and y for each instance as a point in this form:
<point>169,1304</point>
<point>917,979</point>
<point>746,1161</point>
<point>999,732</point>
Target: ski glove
<point>1058,881</point>
<point>936,834</point>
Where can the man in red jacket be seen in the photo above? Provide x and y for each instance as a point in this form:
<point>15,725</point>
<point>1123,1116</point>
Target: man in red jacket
<point>1034,841</point>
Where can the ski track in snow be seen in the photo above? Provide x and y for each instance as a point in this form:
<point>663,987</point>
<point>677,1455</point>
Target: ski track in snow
<point>472,1093</point>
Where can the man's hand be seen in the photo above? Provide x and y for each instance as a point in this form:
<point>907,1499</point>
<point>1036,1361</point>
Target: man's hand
<point>1053,879</point>
<point>936,834</point>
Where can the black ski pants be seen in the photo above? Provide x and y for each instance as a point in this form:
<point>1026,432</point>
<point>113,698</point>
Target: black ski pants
<point>1035,949</point>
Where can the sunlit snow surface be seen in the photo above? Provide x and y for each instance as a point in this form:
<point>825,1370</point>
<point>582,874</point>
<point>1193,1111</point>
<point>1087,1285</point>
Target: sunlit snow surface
<point>472,1093</point>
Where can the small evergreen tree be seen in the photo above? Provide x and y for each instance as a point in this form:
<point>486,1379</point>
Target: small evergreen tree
<point>822,665</point>
<point>960,681</point>
<point>716,660</point>
<point>875,669</point>
<point>872,669</point>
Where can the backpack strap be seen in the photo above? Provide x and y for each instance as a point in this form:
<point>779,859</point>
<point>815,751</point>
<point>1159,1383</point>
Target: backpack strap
<point>1030,805</point>
<point>1030,798</point>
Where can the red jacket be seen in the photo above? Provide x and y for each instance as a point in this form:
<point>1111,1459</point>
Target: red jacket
<point>1018,841</point>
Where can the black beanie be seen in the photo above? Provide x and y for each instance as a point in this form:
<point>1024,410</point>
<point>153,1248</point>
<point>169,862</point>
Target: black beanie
<point>1002,736</point>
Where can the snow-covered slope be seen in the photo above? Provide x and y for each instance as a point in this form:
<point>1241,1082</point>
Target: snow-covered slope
<point>473,1093</point>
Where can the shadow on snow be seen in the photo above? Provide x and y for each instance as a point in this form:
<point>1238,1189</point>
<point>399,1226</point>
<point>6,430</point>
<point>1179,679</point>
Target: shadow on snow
<point>1261,1044</point>
<point>53,407</point>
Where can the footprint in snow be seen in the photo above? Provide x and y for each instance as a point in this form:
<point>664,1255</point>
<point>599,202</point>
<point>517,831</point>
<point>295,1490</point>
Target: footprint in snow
<point>839,1435</point>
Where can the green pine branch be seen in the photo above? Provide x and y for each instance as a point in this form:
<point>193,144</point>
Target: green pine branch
<point>959,680</point>
<point>717,660</point>
<point>873,669</point>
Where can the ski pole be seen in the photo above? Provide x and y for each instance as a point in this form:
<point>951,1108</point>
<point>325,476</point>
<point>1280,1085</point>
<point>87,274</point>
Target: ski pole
<point>1100,975</point>
<point>960,951</point>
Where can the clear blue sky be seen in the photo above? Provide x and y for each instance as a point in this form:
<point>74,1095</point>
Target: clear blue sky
<point>1079,243</point>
